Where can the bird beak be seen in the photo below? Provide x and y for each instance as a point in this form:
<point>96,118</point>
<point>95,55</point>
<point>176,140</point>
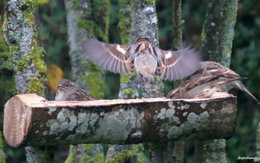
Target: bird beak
<point>59,87</point>
<point>142,47</point>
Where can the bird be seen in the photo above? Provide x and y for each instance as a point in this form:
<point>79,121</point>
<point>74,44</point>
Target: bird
<point>144,58</point>
<point>69,91</point>
<point>209,79</point>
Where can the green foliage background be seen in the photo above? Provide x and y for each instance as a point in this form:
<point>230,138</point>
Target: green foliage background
<point>245,57</point>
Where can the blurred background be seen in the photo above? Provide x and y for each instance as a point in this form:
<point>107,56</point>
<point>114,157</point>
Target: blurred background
<point>245,58</point>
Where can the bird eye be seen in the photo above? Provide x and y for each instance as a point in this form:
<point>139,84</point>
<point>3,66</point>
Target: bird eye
<point>66,85</point>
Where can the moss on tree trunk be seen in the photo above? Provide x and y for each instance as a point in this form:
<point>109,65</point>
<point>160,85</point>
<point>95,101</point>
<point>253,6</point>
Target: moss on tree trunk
<point>217,37</point>
<point>26,54</point>
<point>86,19</point>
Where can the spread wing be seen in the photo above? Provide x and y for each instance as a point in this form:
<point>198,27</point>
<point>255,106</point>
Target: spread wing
<point>112,57</point>
<point>178,64</point>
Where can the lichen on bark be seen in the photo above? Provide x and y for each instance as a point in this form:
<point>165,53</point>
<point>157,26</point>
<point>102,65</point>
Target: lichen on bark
<point>218,30</point>
<point>21,34</point>
<point>7,82</point>
<point>87,19</point>
<point>144,24</point>
<point>145,21</point>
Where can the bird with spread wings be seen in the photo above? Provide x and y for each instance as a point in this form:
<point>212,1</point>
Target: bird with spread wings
<point>144,58</point>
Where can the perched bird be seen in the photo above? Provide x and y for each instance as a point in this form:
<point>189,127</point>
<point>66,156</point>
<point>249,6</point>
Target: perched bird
<point>210,68</point>
<point>144,58</point>
<point>210,78</point>
<point>69,91</point>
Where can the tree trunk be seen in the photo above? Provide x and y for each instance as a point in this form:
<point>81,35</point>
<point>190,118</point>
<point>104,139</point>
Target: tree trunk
<point>217,37</point>
<point>30,70</point>
<point>258,142</point>
<point>87,75</point>
<point>7,84</point>
<point>144,24</point>
<point>179,146</point>
<point>177,24</point>
<point>81,24</point>
<point>115,152</point>
<point>2,153</point>
<point>218,30</point>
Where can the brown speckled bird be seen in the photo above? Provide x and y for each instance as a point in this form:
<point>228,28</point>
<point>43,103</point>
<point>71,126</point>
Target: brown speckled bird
<point>144,58</point>
<point>69,91</point>
<point>210,78</point>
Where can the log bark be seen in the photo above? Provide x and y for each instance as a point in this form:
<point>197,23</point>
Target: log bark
<point>32,120</point>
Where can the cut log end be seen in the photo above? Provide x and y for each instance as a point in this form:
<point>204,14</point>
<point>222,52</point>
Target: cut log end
<point>17,118</point>
<point>15,121</point>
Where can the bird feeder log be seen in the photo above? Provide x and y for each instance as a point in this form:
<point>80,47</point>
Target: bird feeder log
<point>32,120</point>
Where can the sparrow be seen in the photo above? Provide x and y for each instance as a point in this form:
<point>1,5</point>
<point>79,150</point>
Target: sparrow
<point>144,58</point>
<point>208,80</point>
<point>69,91</point>
<point>210,68</point>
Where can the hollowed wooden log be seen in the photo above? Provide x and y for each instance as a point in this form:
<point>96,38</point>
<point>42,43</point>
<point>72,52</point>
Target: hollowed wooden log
<point>32,120</point>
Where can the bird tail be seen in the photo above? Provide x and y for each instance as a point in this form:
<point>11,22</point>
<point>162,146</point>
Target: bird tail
<point>140,79</point>
<point>241,86</point>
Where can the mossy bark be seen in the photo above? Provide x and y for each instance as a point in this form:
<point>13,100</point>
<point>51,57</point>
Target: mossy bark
<point>177,24</point>
<point>86,19</point>
<point>6,67</point>
<point>144,24</point>
<point>218,31</point>
<point>124,153</point>
<point>21,34</point>
<point>83,20</point>
<point>7,82</point>
<point>27,56</point>
<point>217,37</point>
<point>2,153</point>
<point>258,141</point>
<point>179,146</point>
